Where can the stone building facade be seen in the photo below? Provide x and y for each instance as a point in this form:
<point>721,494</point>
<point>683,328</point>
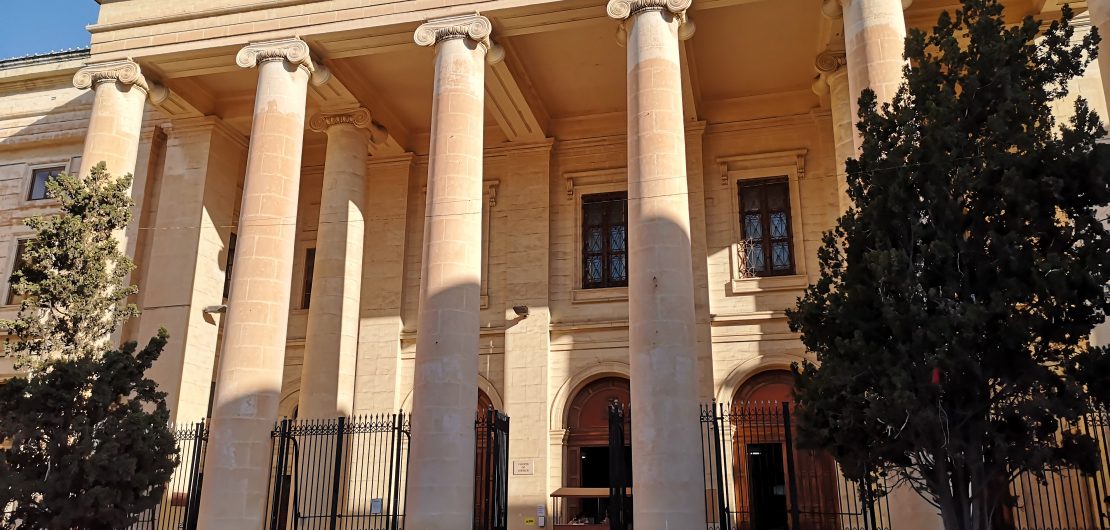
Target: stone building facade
<point>350,207</point>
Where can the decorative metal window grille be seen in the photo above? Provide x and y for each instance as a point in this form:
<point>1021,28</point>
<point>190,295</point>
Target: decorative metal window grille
<point>605,240</point>
<point>766,247</point>
<point>39,178</point>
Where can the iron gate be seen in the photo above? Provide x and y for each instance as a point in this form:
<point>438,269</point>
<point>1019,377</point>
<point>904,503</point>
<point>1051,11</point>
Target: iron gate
<point>339,473</point>
<point>757,479</point>
<point>1066,498</point>
<point>491,471</point>
<point>178,509</point>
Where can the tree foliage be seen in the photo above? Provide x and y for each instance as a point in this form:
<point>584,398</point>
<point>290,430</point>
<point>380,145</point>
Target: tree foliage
<point>951,317</point>
<point>87,435</point>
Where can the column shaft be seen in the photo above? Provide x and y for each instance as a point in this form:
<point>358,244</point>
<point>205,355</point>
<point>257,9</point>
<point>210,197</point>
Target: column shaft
<point>331,340</point>
<point>248,383</point>
<point>115,125</point>
<point>874,38</point>
<point>840,103</point>
<point>1100,18</point>
<point>668,485</point>
<point>445,385</point>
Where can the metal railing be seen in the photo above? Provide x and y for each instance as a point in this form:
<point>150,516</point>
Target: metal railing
<point>1065,499</point>
<point>339,473</point>
<point>180,503</point>
<point>756,478</point>
<point>491,471</point>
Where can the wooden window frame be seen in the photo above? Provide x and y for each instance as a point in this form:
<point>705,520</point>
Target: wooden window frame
<point>737,168</point>
<point>27,197</point>
<point>765,213</point>
<point>577,185</point>
<point>606,253</point>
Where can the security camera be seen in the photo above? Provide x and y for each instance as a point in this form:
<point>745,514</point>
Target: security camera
<point>521,310</point>
<point>215,309</point>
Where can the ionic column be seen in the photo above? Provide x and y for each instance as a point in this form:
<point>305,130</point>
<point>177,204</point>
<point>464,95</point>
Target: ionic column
<point>1100,18</point>
<point>667,484</point>
<point>331,340</point>
<point>116,121</point>
<point>248,383</point>
<point>874,39</point>
<point>445,386</point>
<point>835,75</point>
<point>120,92</point>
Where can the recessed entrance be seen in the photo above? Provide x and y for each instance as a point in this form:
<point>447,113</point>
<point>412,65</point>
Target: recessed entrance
<point>768,481</point>
<point>587,458</point>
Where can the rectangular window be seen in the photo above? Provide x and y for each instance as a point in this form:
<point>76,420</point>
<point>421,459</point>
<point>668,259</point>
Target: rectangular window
<point>18,263</point>
<point>39,178</point>
<point>604,240</point>
<point>767,245</point>
<point>229,263</point>
<point>309,265</point>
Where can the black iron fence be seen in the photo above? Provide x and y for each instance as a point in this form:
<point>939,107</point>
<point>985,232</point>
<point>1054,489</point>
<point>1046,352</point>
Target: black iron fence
<point>178,509</point>
<point>339,473</point>
<point>756,478</point>
<point>491,471</point>
<point>1065,499</point>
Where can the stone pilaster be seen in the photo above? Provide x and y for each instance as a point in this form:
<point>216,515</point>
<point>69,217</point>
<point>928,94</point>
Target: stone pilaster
<point>441,469</point>
<point>668,485</point>
<point>331,340</point>
<point>204,162</point>
<point>248,383</point>
<point>831,64</point>
<point>874,39</point>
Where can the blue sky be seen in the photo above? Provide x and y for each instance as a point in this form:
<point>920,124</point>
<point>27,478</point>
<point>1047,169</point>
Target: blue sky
<point>39,26</point>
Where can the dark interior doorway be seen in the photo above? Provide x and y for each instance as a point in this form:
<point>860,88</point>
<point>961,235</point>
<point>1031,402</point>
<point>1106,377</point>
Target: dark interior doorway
<point>767,486</point>
<point>587,443</point>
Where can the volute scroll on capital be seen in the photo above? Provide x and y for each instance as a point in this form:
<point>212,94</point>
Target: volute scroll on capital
<point>123,71</point>
<point>293,51</point>
<point>623,10</point>
<point>829,61</point>
<point>474,27</point>
<point>359,118</point>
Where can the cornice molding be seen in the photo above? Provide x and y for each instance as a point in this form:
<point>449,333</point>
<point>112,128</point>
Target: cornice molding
<point>123,71</point>
<point>474,27</point>
<point>292,50</point>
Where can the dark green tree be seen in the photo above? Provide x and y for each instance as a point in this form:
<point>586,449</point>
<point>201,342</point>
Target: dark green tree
<point>87,434</point>
<point>951,317</point>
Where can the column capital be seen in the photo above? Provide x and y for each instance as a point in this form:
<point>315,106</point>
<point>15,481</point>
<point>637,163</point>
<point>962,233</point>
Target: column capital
<point>293,51</point>
<point>124,71</point>
<point>623,10</point>
<point>829,61</point>
<point>359,118</point>
<point>474,27</point>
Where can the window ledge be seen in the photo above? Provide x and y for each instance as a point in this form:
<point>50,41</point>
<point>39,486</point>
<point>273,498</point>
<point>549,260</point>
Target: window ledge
<point>769,284</point>
<point>604,294</point>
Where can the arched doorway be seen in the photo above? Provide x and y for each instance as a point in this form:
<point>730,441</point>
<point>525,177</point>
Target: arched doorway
<point>586,462</point>
<point>767,482</point>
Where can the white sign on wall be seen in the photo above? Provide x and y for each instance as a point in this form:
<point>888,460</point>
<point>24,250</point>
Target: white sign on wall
<point>522,467</point>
